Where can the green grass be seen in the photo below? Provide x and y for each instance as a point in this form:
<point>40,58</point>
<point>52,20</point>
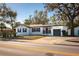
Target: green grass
<point>29,37</point>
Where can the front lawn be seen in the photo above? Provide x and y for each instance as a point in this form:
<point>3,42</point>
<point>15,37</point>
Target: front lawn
<point>29,37</point>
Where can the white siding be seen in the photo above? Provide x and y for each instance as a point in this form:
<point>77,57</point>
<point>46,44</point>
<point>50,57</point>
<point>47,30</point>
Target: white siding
<point>36,33</point>
<point>59,27</point>
<point>29,30</point>
<point>22,33</point>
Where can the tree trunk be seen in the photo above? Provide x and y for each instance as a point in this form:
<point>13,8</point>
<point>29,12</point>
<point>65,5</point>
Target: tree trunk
<point>72,28</point>
<point>72,31</point>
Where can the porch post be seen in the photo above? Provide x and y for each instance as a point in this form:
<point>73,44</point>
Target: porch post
<point>41,30</point>
<point>52,31</point>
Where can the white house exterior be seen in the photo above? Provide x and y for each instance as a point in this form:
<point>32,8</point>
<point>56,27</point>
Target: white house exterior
<point>36,30</point>
<point>57,30</point>
<point>22,30</point>
<point>40,30</point>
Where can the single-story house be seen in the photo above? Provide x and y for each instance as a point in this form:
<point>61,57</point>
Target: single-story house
<point>41,30</point>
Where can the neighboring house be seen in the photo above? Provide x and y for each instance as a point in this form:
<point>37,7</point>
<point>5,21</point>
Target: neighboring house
<point>40,30</point>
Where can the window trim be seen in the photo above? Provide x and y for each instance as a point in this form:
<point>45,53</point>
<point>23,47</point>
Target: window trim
<point>19,30</point>
<point>24,29</point>
<point>35,29</point>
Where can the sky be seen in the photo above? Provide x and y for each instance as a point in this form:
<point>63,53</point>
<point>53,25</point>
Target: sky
<point>25,9</point>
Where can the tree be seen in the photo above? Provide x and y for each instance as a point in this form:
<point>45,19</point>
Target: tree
<point>40,17</point>
<point>58,19</point>
<point>53,20</point>
<point>70,10</point>
<point>7,13</point>
<point>16,24</point>
<point>27,22</point>
<point>76,22</point>
<point>3,11</point>
<point>12,15</point>
<point>2,26</point>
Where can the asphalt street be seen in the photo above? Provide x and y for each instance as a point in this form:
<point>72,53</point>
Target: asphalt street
<point>10,48</point>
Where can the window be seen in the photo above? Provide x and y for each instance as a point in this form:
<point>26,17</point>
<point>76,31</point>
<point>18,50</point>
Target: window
<point>47,30</point>
<point>24,30</point>
<point>35,29</point>
<point>56,32</point>
<point>19,30</point>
